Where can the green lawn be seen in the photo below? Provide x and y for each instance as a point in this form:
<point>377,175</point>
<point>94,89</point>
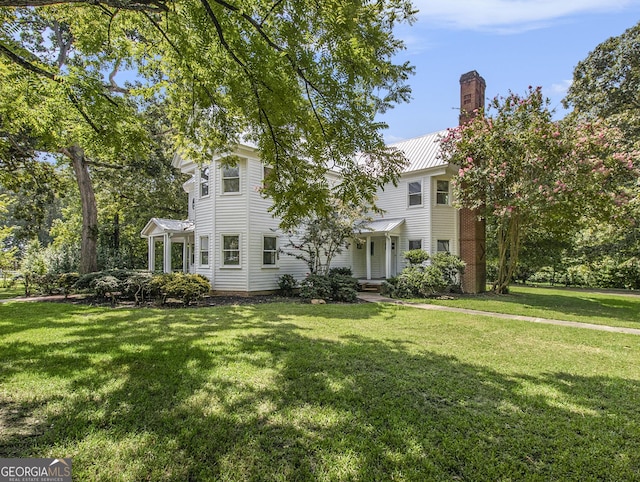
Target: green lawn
<point>14,291</point>
<point>328,392</point>
<point>562,304</point>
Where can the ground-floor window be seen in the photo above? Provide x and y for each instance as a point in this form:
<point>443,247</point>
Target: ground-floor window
<point>269,250</point>
<point>415,244</point>
<point>204,250</point>
<point>442,246</point>
<point>231,250</point>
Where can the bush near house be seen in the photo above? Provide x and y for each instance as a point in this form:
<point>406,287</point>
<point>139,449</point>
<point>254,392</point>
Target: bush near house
<point>421,280</point>
<point>337,285</point>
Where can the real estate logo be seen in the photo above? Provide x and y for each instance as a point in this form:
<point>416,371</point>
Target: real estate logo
<point>35,470</point>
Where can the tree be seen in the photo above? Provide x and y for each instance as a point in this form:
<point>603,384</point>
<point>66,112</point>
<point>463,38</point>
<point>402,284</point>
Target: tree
<point>321,237</point>
<point>606,84</point>
<point>524,172</point>
<point>55,99</point>
<point>302,79</point>
<point>7,252</point>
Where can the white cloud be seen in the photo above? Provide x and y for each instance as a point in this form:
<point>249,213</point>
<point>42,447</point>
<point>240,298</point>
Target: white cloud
<point>508,16</point>
<point>561,87</point>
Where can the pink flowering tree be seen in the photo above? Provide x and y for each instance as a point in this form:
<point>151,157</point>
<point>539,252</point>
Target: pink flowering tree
<point>522,170</point>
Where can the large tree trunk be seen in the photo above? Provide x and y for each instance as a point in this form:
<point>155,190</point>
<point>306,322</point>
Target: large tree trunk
<point>88,247</point>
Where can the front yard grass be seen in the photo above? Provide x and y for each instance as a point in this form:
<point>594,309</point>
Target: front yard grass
<point>561,304</point>
<point>17,289</point>
<point>328,392</point>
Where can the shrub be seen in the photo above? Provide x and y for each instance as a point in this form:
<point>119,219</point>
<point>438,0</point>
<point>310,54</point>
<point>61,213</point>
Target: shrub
<point>416,281</point>
<point>186,287</point>
<point>389,287</point>
<point>287,284</point>
<point>316,286</point>
<point>107,287</point>
<point>138,287</point>
<point>343,287</point>
<point>343,270</point>
<point>451,266</point>
<point>67,281</point>
<point>416,257</point>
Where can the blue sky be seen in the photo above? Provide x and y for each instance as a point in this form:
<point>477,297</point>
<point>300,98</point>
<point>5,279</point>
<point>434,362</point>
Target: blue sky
<point>511,43</point>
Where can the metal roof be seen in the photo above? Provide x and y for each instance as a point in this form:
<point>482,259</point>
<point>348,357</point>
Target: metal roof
<point>422,152</point>
<point>381,226</point>
<point>168,226</point>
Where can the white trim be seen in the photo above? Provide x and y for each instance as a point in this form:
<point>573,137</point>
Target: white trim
<point>200,251</point>
<point>276,265</point>
<point>409,194</point>
<point>222,251</point>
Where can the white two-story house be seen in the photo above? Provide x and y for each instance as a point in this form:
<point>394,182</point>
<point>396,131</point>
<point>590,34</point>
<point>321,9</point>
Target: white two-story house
<point>230,237</point>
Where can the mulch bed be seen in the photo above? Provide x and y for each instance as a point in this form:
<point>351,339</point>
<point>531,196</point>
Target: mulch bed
<point>91,300</point>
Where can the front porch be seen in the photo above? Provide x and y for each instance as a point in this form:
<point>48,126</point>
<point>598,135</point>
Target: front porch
<point>375,258</point>
<point>167,233</point>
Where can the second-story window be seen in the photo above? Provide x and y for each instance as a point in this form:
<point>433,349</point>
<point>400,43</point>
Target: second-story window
<point>415,193</point>
<point>442,192</point>
<point>231,179</point>
<point>204,181</point>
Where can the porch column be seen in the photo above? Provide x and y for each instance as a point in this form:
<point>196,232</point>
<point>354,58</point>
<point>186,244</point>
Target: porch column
<point>368,257</point>
<point>387,260</point>
<point>151,253</point>
<point>185,255</point>
<point>167,254</point>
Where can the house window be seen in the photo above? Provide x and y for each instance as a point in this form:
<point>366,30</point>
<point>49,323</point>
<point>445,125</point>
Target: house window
<point>204,181</point>
<point>266,172</point>
<point>442,246</point>
<point>204,250</point>
<point>269,250</point>
<point>415,193</point>
<point>415,244</point>
<point>231,250</point>
<point>442,192</point>
<point>231,179</point>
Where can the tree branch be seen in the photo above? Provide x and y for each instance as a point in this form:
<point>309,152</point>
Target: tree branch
<point>133,5</point>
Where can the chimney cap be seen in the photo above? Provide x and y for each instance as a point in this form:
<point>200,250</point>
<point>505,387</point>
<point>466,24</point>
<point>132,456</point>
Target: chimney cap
<point>472,75</point>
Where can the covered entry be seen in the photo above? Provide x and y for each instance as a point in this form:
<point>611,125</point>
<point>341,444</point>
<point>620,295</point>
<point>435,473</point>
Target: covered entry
<point>378,247</point>
<point>169,232</point>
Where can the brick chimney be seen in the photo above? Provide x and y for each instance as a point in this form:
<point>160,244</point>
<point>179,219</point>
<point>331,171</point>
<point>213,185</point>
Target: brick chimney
<point>472,227</point>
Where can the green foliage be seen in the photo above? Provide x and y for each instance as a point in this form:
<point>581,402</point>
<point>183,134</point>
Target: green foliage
<point>338,285</point>
<point>138,286</point>
<point>524,171</point>
<point>67,282</point>
<point>107,287</point>
<point>185,287</point>
<point>316,286</point>
<point>605,84</point>
<point>420,281</point>
<point>322,236</point>
<point>342,270</point>
<point>287,285</point>
<point>32,266</point>
<point>416,257</point>
<point>451,266</point>
<point>343,287</point>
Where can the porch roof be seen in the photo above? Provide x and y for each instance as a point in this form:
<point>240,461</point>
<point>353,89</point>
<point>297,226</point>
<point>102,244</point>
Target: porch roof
<point>381,226</point>
<point>159,226</point>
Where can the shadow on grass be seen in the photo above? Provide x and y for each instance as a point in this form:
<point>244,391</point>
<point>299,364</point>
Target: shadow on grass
<point>247,393</point>
<point>580,304</point>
